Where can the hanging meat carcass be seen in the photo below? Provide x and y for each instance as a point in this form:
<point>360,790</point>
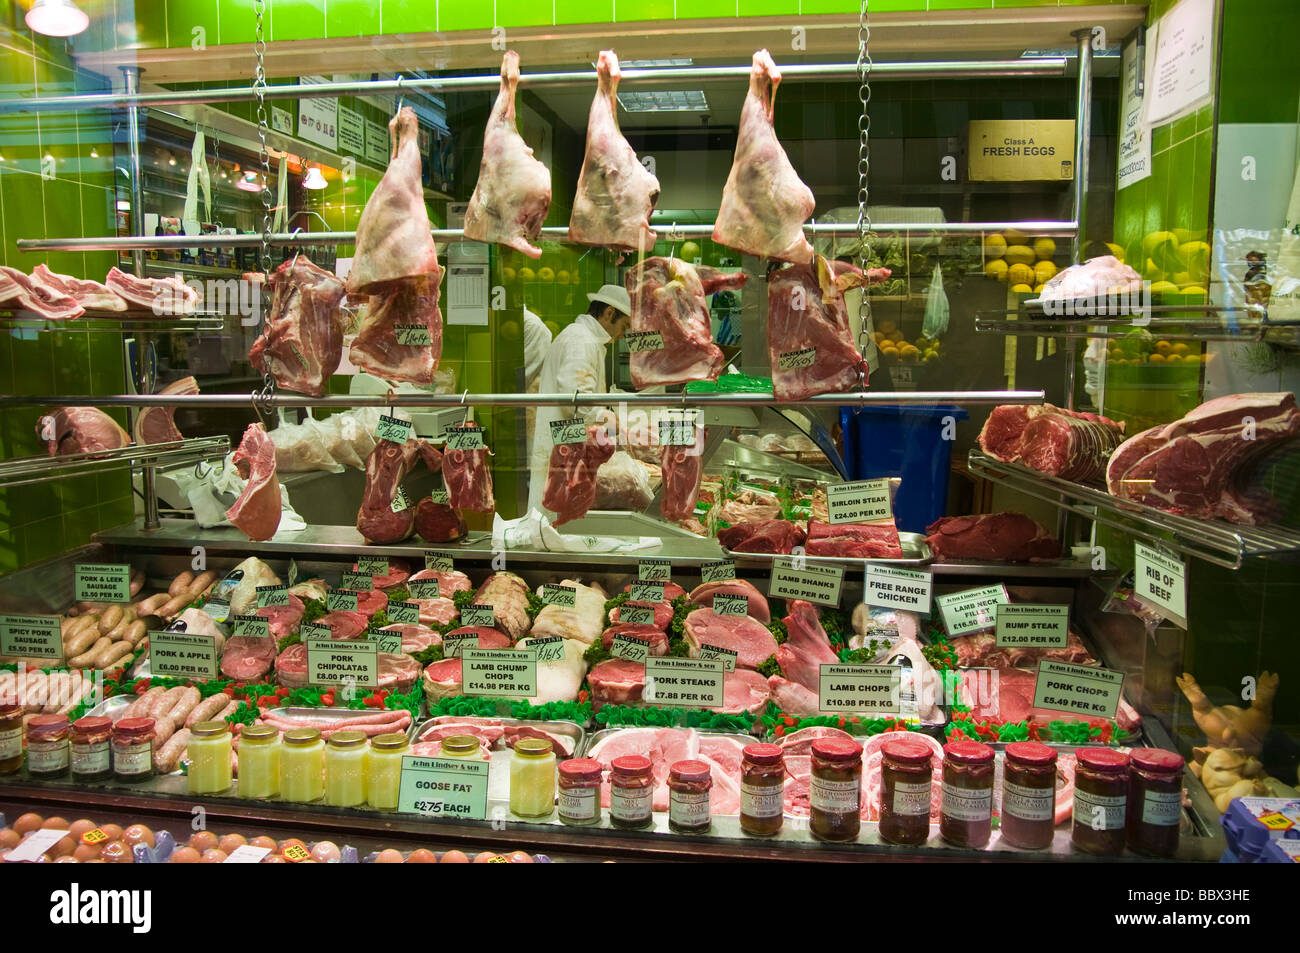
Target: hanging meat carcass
<point>80,430</point>
<point>513,192</point>
<point>386,467</point>
<point>682,466</point>
<point>257,511</point>
<point>468,479</point>
<point>302,343</point>
<point>571,480</point>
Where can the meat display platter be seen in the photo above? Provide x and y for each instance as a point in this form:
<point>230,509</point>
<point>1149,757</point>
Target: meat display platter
<point>916,552</point>
<point>568,729</point>
<point>328,717</point>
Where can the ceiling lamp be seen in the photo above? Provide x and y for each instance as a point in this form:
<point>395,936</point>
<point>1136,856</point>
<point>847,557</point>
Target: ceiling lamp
<point>56,18</point>
<point>249,182</point>
<point>314,179</point>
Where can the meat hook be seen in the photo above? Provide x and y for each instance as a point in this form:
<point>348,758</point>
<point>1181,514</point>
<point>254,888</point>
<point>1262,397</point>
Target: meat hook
<point>401,97</point>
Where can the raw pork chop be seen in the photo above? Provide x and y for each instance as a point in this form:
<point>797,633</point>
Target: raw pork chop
<point>807,647</point>
<point>809,346</point>
<point>21,292</point>
<point>468,479</point>
<point>388,463</point>
<point>750,639</point>
<point>668,297</point>
<point>1011,699</point>
<point>513,192</point>
<point>158,424</point>
<point>80,430</point>
<point>91,295</point>
<point>438,522</point>
<point>302,342</point>
<point>616,193</point>
<point>744,690</point>
<point>764,203</point>
<point>992,537</point>
<point>616,681</point>
<point>702,595</point>
<point>681,469</point>
<point>257,511</point>
<point>168,295</point>
<point>571,480</point>
<point>291,666</point>
<point>854,540</point>
<point>397,310</point>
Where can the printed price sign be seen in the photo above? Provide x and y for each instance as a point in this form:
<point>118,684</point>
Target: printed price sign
<point>1079,689</point>
<point>102,582</point>
<point>642,591</point>
<point>892,588</point>
<point>972,610</point>
<point>35,844</point>
<point>1021,626</point>
<point>475,614</point>
<point>725,603</point>
<point>636,615</point>
<point>1161,581</point>
<point>440,496</point>
<point>178,655</point>
<point>630,647</point>
<point>718,653</point>
<point>638,341</point>
<point>563,596</point>
<point>572,430</point>
<point>872,689</point>
<point>252,626</point>
<point>357,581</point>
<point>549,649</point>
<point>387,643</point>
<point>404,613</point>
<point>246,854</point>
<point>499,672</point>
<point>341,600</point>
<point>31,636</point>
<point>372,565</point>
<point>413,335</point>
<point>438,561</point>
<point>676,433</point>
<point>795,360</point>
<point>683,682</point>
<point>421,589</point>
<point>455,643</point>
<point>464,438</point>
<point>272,596</point>
<point>719,571</point>
<point>866,501</point>
<point>443,787</point>
<point>820,584</point>
<point>338,662</point>
<point>653,570</point>
<point>393,428</point>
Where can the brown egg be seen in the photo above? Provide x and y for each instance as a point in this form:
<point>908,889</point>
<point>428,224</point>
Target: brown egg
<point>80,826</point>
<point>96,860</point>
<point>55,824</point>
<point>63,847</point>
<point>10,837</point>
<point>213,856</point>
<point>263,841</point>
<point>422,855</point>
<point>229,842</point>
<point>454,857</point>
<point>326,852</point>
<point>138,834</point>
<point>484,857</point>
<point>290,842</point>
<point>185,855</point>
<point>116,852</point>
<point>44,859</point>
<point>85,852</point>
<point>203,840</point>
<point>28,823</point>
<point>274,859</point>
<point>389,856</point>
<point>114,831</point>
<point>519,857</point>
<point>4,852</point>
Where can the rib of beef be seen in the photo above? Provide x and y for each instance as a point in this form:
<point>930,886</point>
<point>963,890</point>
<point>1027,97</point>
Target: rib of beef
<point>513,192</point>
<point>18,291</point>
<point>302,342</point>
<point>386,466</point>
<point>571,481</point>
<point>158,424</point>
<point>91,295</point>
<point>616,193</point>
<point>668,297</point>
<point>764,203</point>
<point>992,537</point>
<point>257,511</point>
<point>167,295</point>
<point>80,430</point>
<point>681,469</point>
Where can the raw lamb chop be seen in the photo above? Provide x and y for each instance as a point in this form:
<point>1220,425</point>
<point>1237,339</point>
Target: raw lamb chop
<point>247,658</point>
<point>468,479</point>
<point>752,641</point>
<point>80,430</point>
<point>854,540</point>
<point>387,465</point>
<point>158,424</point>
<point>682,467</point>
<point>571,480</point>
<point>257,511</point>
<point>438,522</point>
<point>582,623</point>
<point>168,295</point>
<point>764,203</point>
<point>91,295</point>
<point>616,193</point>
<point>409,303</point>
<point>513,192</point>
<point>20,292</point>
<point>668,296</point>
<point>993,537</point>
<point>806,313</point>
<point>702,595</point>
<point>302,342</point>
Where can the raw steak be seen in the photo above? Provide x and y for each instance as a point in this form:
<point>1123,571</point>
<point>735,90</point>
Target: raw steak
<point>744,690</point>
<point>302,341</point>
<point>438,522</point>
<point>807,647</point>
<point>91,295</point>
<point>407,303</point>
<point>158,424</point>
<point>80,430</point>
<point>468,479</point>
<point>806,313</point>
<point>442,679</point>
<point>257,511</point>
<point>291,666</point>
<point>616,194</point>
<point>854,540</point>
<point>398,573</point>
<point>507,594</point>
<point>19,292</point>
<point>344,624</point>
<point>769,536</point>
<point>415,638</point>
<point>668,297</point>
<point>397,672</point>
<point>168,295</point>
<point>389,462</point>
<point>370,602</point>
<point>764,203</point>
<point>616,681</point>
<point>582,623</point>
<point>737,511</point>
<point>487,638</point>
<point>571,480</point>
<point>702,595</point>
<point>992,537</point>
<point>513,192</point>
<point>282,620</point>
<point>1070,444</point>
<point>681,469</point>
<point>982,651</point>
<point>248,658</point>
<point>750,639</point>
<point>657,637</point>
<point>448,582</point>
<point>439,611</point>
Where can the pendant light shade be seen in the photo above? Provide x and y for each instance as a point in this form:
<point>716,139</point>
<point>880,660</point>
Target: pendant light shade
<point>56,18</point>
<point>314,179</point>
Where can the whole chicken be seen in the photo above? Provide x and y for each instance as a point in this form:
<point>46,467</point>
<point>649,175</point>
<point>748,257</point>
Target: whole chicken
<point>1230,726</point>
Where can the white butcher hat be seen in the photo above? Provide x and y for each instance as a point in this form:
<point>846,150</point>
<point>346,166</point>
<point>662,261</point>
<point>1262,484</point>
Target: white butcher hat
<point>614,295</point>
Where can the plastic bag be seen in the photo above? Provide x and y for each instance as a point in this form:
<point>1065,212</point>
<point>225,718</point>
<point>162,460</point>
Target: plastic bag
<point>935,324</point>
<point>301,448</point>
<point>623,483</point>
<point>534,531</point>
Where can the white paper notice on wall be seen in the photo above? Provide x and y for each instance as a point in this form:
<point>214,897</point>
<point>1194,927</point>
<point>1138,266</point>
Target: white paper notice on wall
<point>1180,62</point>
<point>1135,136</point>
<point>318,119</point>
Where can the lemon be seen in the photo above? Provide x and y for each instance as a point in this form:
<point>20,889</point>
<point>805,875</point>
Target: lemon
<point>1021,290</point>
<point>896,336</point>
<point>1182,278</point>
<point>1044,271</point>
<point>1044,247</point>
<point>527,274</point>
<point>1015,237</point>
<point>886,326</point>
<point>995,246</point>
<point>996,268</point>
<point>508,274</point>
<point>1020,255</point>
<point>1194,294</point>
<point>930,355</point>
<point>1153,272</point>
<point>1180,349</point>
<point>546,274</point>
<point>1021,274</point>
<point>1157,358</point>
<point>1162,347</point>
<point>1164,287</point>
<point>1038,289</point>
<point>1116,250</point>
<point>1191,359</point>
<point>1188,235</point>
<point>1195,259</point>
<point>1162,248</point>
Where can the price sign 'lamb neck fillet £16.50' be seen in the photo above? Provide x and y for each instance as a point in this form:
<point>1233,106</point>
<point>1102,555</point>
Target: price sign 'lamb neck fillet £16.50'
<point>302,343</point>
<point>387,466</point>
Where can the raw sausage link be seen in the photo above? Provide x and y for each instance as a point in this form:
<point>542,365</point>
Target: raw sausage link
<point>140,707</point>
<point>150,605</point>
<point>81,641</point>
<point>32,695</point>
<point>80,624</point>
<point>87,658</point>
<point>168,757</point>
<point>184,705</point>
<point>165,704</point>
<point>135,632</point>
<point>163,728</point>
<point>55,686</point>
<point>181,583</point>
<point>110,618</point>
<point>137,581</point>
<point>226,712</point>
<point>207,709</point>
<point>80,688</point>
<point>113,654</point>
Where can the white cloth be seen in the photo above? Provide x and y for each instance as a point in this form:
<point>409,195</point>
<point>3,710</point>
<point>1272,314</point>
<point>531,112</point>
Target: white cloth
<point>537,341</point>
<point>534,531</point>
<point>575,362</point>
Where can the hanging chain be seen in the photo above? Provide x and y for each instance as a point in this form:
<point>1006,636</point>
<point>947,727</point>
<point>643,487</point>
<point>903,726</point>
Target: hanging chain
<point>864,167</point>
<point>259,90</point>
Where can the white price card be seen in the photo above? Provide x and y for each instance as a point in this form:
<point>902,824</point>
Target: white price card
<point>638,341</point>
<point>393,428</point>
<point>178,655</point>
<point>718,571</point>
<point>683,682</point>
<point>35,844</point>
<point>438,561</point>
<point>337,662</point>
<point>630,647</point>
<point>570,430</point>
<point>247,854</point>
<point>820,584</point>
<point>1161,581</point>
<point>866,501</point>
<point>507,672</point>
<point>892,588</point>
<point>653,570</point>
<point>454,643</point>
<point>971,610</point>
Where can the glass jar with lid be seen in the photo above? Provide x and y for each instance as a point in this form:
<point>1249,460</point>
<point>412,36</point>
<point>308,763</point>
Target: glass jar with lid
<point>579,795</point>
<point>49,746</point>
<point>1029,795</point>
<point>462,746</point>
<point>345,769</point>
<point>835,790</point>
<point>1155,801</point>
<point>532,778</point>
<point>631,792</point>
<point>259,762</point>
<point>384,782</point>
<point>11,736</point>
<point>209,753</point>
<point>302,766</point>
<point>688,797</point>
<point>1100,800</point>
<point>762,789</point>
<point>92,759</point>
<point>132,745</point>
<point>966,814</point>
<point>906,786</point>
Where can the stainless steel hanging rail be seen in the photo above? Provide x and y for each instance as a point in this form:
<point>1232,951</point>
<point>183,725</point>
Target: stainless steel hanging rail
<point>921,69</point>
<point>22,471</point>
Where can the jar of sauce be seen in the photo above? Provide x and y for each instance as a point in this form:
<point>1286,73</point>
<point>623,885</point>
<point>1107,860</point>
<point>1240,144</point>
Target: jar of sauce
<point>345,769</point>
<point>762,789</point>
<point>462,746</point>
<point>209,754</point>
<point>966,817</point>
<point>384,782</point>
<point>1155,801</point>
<point>631,793</point>
<point>579,800</point>
<point>49,747</point>
<point>259,762</point>
<point>835,790</point>
<point>532,778</point>
<point>11,737</point>
<point>302,766</point>
<point>132,745</point>
<point>91,758</point>
<point>1100,800</point>
<point>905,785</point>
<point>688,797</point>
<point>1029,795</point>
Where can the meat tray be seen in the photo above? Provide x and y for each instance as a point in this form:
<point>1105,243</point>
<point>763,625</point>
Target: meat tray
<point>569,729</point>
<point>326,717</point>
<point>113,708</point>
<point>916,552</point>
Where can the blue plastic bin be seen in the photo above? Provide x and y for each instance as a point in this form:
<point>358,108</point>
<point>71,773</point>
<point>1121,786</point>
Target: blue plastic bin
<point>897,440</point>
